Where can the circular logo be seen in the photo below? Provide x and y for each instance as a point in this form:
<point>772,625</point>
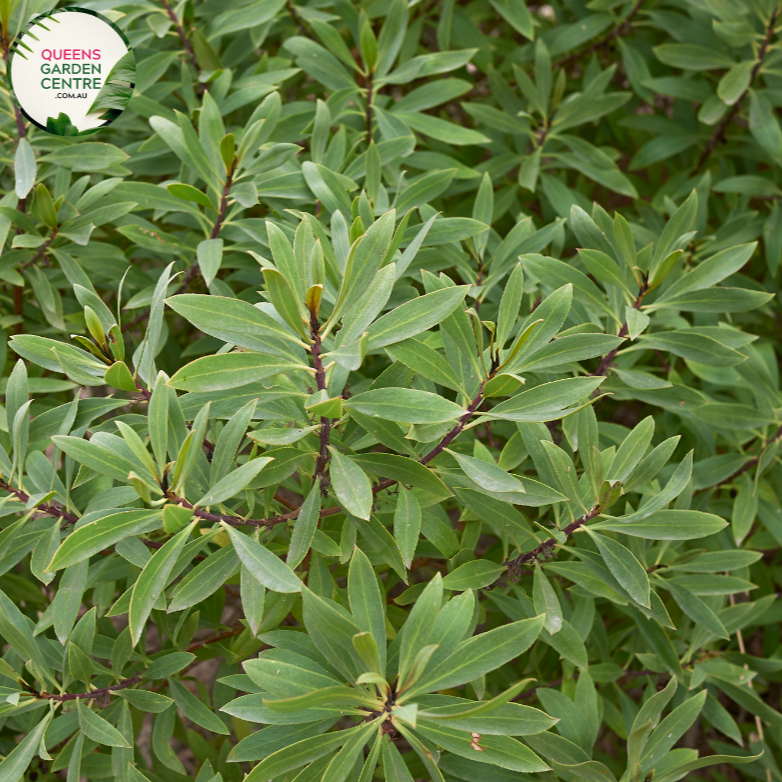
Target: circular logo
<point>72,71</point>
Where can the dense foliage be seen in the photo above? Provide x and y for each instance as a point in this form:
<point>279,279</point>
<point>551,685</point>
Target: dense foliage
<point>392,392</point>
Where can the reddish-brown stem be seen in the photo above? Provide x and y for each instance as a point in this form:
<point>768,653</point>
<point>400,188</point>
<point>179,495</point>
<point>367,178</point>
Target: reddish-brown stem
<point>45,508</point>
<point>191,272</point>
<point>79,696</point>
<point>368,117</point>
<point>457,430</point>
<point>238,521</point>
<point>718,134</point>
<point>41,250</point>
<point>513,565</point>
<point>611,355</point>
<point>138,319</point>
<point>18,116</point>
<point>235,629</point>
<point>325,423</point>
<point>754,460</point>
<point>621,29</point>
<point>296,18</point>
<point>181,33</point>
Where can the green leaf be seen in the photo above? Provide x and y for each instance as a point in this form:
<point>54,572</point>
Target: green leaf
<point>210,255</point>
<point>227,370</point>
<point>473,575</point>
<point>487,474</point>
<point>367,603</point>
<point>405,404</point>
<point>351,485</point>
<point>86,156</point>
<point>502,751</point>
<point>516,14</point>
<point>667,525</point>
<point>415,316</point>
<point>16,762</point>
<point>628,571</point>
<point>693,57</point>
<point>417,628</point>
<point>98,729</point>
<point>152,581</point>
<point>735,82</point>
<point>425,361</point>
<point>304,528</point>
<point>230,320</point>
<point>145,700</point>
<point>24,168</point>
<point>407,524</point>
<point>234,482</point>
<point>195,709</point>
<point>481,654</point>
<point>272,572</point>
<point>204,579</point>
<point>101,534</point>
<point>189,193</point>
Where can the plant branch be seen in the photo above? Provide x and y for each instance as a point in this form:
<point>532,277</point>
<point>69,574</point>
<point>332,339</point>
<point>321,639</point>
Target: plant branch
<point>718,135</point>
<point>325,423</point>
<point>446,441</point>
<point>46,508</point>
<point>753,460</point>
<point>369,109</point>
<point>18,116</point>
<point>193,270</point>
<point>181,33</point>
<point>78,696</point>
<point>296,18</point>
<point>513,565</point>
<point>238,521</point>
<point>140,318</point>
<point>234,630</point>
<point>611,355</point>
<point>620,30</point>
<point>41,250</point>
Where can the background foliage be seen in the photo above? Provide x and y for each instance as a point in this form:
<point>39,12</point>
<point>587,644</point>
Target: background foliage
<point>392,392</point>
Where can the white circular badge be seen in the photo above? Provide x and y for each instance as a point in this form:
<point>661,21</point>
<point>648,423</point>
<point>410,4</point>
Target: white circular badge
<point>72,71</point>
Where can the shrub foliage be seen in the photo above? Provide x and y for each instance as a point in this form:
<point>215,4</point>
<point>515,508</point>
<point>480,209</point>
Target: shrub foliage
<point>392,392</point>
